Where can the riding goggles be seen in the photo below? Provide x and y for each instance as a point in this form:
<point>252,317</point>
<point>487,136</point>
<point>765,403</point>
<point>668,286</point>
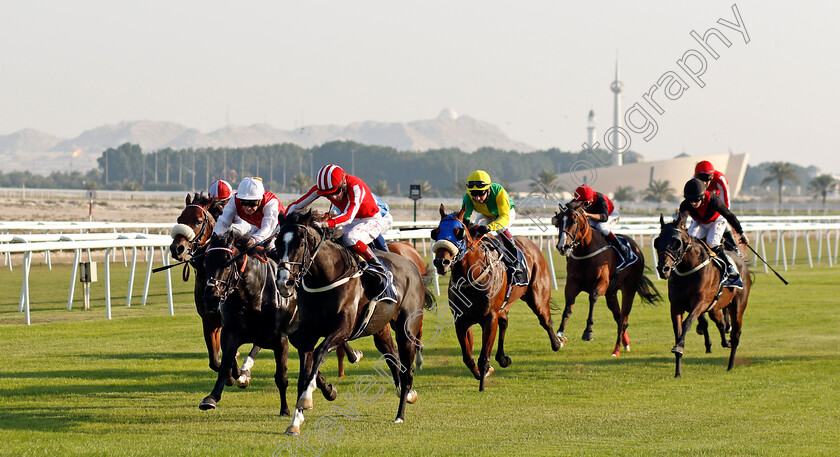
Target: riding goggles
<point>477,185</point>
<point>250,203</point>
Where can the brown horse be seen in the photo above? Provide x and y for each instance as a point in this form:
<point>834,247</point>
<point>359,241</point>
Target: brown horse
<point>402,249</point>
<point>189,240</point>
<point>694,286</point>
<point>591,268</point>
<point>479,284</point>
<point>332,302</point>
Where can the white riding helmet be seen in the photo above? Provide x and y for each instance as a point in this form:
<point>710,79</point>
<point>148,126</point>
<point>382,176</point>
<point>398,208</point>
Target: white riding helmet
<point>250,189</point>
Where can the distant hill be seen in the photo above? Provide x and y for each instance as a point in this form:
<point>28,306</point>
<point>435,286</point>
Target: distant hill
<point>40,152</point>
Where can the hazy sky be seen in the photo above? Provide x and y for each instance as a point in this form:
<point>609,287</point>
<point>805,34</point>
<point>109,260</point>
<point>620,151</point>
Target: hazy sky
<point>533,68</point>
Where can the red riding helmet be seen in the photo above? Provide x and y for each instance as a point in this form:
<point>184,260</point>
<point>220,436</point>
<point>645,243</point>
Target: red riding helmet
<point>704,168</point>
<point>584,193</point>
<point>220,190</point>
<point>330,178</point>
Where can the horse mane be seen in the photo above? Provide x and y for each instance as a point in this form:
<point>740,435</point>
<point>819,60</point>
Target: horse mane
<point>233,238</point>
<point>574,205</point>
<point>201,199</point>
<point>307,217</point>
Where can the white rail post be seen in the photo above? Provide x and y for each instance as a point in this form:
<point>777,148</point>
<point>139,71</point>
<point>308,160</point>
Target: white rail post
<point>168,281</point>
<point>27,262</point>
<point>108,282</point>
<point>73,276</point>
<point>131,276</point>
<point>808,248</point>
<point>150,259</point>
<point>784,252</point>
<point>548,248</point>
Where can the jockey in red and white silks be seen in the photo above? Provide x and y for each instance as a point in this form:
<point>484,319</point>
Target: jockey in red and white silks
<point>251,207</point>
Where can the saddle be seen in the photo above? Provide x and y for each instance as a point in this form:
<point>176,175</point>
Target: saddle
<point>517,269</point>
<point>721,265</point>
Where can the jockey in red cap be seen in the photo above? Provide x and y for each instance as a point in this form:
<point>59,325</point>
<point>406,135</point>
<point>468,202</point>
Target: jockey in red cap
<point>360,220</point>
<point>602,214</point>
<point>717,185</point>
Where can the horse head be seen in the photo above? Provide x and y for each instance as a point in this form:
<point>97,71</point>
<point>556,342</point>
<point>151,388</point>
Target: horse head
<point>572,227</point>
<point>671,245</point>
<point>223,275</point>
<point>296,245</point>
<point>451,237</point>
<point>194,227</point>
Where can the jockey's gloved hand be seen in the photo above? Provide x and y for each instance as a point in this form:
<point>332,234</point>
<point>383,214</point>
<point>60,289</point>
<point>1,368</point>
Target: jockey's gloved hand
<point>744,239</point>
<point>320,224</point>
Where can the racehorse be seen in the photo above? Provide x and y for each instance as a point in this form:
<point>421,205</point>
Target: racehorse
<point>403,249</point>
<point>590,268</point>
<point>694,286</point>
<point>479,284</point>
<point>332,301</point>
<point>189,240</point>
<point>243,289</point>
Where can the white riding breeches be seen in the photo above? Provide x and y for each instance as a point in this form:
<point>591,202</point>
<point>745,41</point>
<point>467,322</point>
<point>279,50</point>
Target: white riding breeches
<point>712,232</point>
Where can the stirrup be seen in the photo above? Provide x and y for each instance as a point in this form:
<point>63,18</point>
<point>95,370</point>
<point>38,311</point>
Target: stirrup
<point>733,281</point>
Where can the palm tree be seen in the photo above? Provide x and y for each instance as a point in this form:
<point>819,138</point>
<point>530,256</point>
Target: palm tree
<point>545,180</point>
<point>780,172</point>
<point>624,194</point>
<point>301,182</point>
<point>660,191</point>
<point>822,185</point>
<point>382,188</point>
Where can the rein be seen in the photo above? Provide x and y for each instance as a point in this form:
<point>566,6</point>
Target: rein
<point>577,242</point>
<point>229,286</point>
<point>680,256</point>
<point>305,269</point>
<point>194,243</point>
<point>490,264</point>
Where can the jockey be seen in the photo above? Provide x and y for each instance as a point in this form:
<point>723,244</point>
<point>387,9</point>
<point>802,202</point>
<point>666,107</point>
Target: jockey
<point>716,184</point>
<point>254,206</point>
<point>220,192</point>
<point>705,210</point>
<point>360,221</point>
<point>495,210</point>
<point>602,214</point>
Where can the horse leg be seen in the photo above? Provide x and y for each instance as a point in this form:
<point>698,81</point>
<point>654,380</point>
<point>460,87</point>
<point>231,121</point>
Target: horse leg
<point>676,323</point>
<point>244,378</point>
<point>695,307</point>
<point>489,326</point>
<point>281,379</point>
<point>717,317</point>
<point>465,338</point>
<point>310,367</point>
<point>229,342</point>
<point>588,334</point>
<point>703,329</point>
<point>542,309</point>
<point>571,294</point>
<point>504,360</point>
<point>407,352</point>
<point>384,343</point>
<point>736,313</point>
<point>339,353</point>
<point>612,304</point>
<point>628,295</point>
<point>211,340</point>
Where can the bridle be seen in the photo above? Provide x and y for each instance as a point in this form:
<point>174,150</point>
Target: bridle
<point>308,260</point>
<point>677,255</point>
<point>228,285</point>
<point>201,238</point>
<point>577,235</point>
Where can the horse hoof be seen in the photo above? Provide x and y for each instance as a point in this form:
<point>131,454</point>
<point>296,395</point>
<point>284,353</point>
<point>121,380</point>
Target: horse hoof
<point>292,430</point>
<point>230,381</point>
<point>615,351</point>
<point>677,350</point>
<point>332,394</point>
<point>207,403</point>
<point>504,362</point>
<point>411,398</point>
<point>625,340</point>
<point>727,344</point>
<point>285,412</point>
<point>627,348</point>
<point>588,336</point>
<point>305,403</point>
<point>398,420</point>
<point>244,380</point>
<point>359,356</point>
<point>490,371</point>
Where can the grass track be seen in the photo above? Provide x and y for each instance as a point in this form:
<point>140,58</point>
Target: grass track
<point>77,384</point>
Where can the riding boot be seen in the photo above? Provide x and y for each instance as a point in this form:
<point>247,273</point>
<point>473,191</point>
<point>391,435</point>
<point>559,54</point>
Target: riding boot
<point>514,259</point>
<point>377,278</point>
<point>379,243</point>
<point>733,278</point>
<point>729,241</point>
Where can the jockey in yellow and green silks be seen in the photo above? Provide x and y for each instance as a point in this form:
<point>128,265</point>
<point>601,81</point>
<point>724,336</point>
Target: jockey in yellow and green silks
<point>495,210</point>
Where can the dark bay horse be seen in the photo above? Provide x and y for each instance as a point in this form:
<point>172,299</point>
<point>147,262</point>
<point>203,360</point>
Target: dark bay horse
<point>590,268</point>
<point>243,289</point>
<point>694,286</point>
<point>189,239</point>
<point>478,286</point>
<point>402,249</point>
<point>331,301</point>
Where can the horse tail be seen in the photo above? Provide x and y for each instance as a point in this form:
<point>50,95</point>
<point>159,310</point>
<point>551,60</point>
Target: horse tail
<point>429,298</point>
<point>648,291</point>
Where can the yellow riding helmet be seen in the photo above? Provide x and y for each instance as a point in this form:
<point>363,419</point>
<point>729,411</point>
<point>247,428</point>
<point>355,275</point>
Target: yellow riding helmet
<point>478,180</point>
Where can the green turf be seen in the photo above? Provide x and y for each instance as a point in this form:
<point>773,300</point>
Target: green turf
<point>77,384</point>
